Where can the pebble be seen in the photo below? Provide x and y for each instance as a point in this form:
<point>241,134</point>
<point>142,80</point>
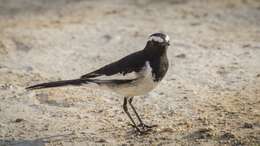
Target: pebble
<point>107,37</point>
<point>18,120</point>
<point>167,130</point>
<point>248,125</point>
<point>101,140</point>
<point>181,55</point>
<point>228,135</point>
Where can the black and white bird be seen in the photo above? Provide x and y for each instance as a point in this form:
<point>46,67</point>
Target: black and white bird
<point>134,75</point>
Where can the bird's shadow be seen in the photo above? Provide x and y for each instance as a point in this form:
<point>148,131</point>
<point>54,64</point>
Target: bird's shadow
<point>34,142</point>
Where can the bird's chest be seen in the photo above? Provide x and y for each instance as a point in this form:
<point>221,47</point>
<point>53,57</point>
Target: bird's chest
<point>159,67</point>
<point>144,83</point>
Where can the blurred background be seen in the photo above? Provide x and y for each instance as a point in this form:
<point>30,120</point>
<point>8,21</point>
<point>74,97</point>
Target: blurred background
<point>210,96</point>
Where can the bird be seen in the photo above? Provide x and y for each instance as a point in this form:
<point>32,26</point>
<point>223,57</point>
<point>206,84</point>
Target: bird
<point>133,75</point>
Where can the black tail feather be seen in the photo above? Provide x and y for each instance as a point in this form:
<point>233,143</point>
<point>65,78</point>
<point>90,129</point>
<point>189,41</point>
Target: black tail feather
<point>57,84</point>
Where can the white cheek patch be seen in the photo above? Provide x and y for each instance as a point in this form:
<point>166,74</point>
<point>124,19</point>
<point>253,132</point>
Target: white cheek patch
<point>156,39</point>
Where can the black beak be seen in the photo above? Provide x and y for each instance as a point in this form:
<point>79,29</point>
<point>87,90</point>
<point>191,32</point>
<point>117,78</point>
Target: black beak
<point>167,43</point>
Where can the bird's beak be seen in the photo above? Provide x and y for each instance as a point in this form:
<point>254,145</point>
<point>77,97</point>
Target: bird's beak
<point>167,43</point>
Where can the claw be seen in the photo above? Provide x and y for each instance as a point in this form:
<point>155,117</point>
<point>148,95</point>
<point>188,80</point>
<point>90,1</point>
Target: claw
<point>144,126</point>
<point>136,127</point>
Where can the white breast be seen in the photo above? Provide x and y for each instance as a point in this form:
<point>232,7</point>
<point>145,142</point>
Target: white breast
<point>144,83</point>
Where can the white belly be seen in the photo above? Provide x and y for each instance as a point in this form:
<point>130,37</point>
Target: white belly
<point>138,87</point>
<point>143,84</point>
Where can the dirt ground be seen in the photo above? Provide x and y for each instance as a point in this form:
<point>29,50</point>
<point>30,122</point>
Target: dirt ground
<point>210,95</point>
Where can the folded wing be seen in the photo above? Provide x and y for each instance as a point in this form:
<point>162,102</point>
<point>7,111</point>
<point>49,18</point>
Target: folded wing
<point>125,67</point>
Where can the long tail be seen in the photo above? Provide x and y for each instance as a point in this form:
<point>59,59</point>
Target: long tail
<point>74,82</point>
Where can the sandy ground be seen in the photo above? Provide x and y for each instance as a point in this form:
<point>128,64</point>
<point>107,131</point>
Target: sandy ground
<point>210,96</point>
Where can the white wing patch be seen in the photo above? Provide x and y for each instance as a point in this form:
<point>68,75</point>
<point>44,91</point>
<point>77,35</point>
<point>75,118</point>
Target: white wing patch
<point>118,76</point>
<point>143,84</point>
<point>146,70</point>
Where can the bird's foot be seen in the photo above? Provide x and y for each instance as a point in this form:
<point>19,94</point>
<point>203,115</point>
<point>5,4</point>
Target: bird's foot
<point>146,127</point>
<point>143,128</point>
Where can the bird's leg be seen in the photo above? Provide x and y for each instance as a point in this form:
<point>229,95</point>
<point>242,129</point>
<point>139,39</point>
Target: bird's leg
<point>133,108</point>
<point>138,117</point>
<point>128,114</point>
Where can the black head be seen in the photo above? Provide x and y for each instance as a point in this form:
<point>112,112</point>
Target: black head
<point>158,42</point>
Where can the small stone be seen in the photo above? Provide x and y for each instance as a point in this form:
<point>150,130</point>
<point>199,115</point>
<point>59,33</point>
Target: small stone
<point>228,135</point>
<point>100,111</point>
<point>167,130</point>
<point>18,120</point>
<point>202,133</point>
<point>107,37</point>
<point>181,55</point>
<point>101,140</point>
<point>79,116</point>
<point>120,120</point>
<point>161,93</point>
<point>204,130</point>
<point>195,23</point>
<point>248,125</point>
<point>83,132</point>
<point>258,75</point>
<point>173,79</point>
<point>246,45</point>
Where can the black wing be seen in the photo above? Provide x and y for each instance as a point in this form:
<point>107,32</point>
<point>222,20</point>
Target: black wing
<point>128,64</point>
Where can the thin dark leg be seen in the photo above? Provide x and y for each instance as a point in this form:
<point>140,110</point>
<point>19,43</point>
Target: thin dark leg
<point>128,114</point>
<point>137,115</point>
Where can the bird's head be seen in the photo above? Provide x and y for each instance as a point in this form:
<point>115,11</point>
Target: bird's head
<point>159,39</point>
<point>158,42</point>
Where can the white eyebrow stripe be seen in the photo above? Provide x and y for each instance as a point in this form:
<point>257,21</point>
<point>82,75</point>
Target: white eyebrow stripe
<point>156,39</point>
